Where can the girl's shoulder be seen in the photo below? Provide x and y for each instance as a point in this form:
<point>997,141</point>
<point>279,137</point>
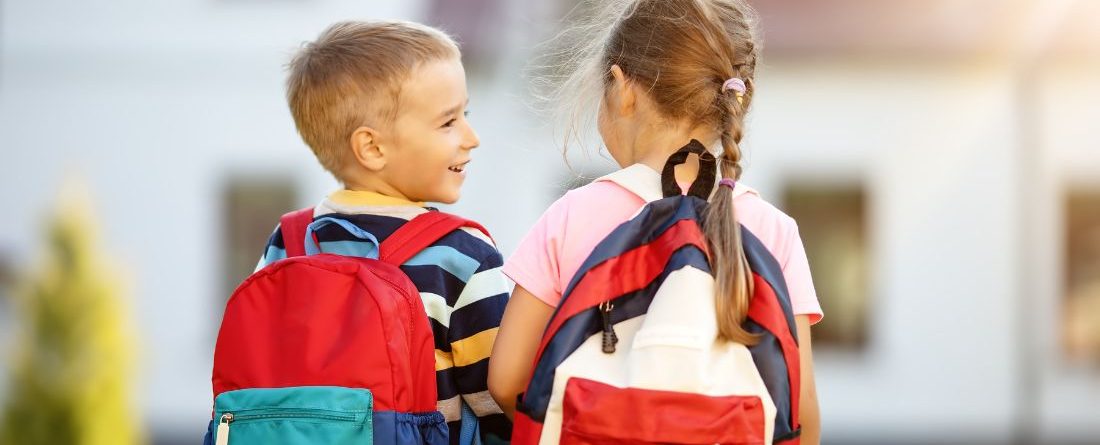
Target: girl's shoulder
<point>751,207</point>
<point>600,196</point>
<point>599,190</point>
<point>607,199</point>
<point>608,194</point>
<point>774,228</point>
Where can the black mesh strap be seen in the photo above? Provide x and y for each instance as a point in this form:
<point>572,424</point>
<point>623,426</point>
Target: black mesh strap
<point>704,182</point>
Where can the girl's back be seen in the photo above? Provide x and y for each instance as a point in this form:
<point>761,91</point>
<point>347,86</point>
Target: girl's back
<point>550,254</point>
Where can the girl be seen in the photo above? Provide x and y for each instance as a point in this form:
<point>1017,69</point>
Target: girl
<point>667,72</point>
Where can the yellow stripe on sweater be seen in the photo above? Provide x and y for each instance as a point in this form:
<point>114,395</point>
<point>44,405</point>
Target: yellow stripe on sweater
<point>474,348</point>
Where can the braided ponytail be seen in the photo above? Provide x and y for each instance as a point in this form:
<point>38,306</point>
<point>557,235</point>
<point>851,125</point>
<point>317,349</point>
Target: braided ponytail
<point>733,280</point>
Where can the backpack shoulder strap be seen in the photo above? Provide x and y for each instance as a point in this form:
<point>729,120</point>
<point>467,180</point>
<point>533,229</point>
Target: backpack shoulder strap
<point>421,232</point>
<point>293,226</point>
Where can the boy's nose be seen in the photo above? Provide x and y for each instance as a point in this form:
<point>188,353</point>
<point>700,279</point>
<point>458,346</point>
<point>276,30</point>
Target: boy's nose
<point>471,141</point>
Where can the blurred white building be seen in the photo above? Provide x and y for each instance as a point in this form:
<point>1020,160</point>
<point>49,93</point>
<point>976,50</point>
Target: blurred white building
<point>951,133</point>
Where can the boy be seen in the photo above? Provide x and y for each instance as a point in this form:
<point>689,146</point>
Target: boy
<point>382,106</point>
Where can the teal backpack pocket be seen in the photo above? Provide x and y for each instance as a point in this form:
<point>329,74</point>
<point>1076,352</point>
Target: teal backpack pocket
<point>294,416</point>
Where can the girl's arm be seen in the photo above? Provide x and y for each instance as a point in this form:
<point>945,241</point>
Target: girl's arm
<point>808,412</point>
<point>517,341</point>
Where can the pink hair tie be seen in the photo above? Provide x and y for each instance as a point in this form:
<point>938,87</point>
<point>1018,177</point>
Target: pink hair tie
<point>735,84</point>
<point>738,86</point>
<point>728,183</point>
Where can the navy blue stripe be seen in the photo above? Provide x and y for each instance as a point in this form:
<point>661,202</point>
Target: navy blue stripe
<point>439,335</point>
<point>580,327</point>
<point>433,279</point>
<point>333,232</point>
<point>764,264</point>
<point>445,384</point>
<point>473,247</point>
<point>470,379</point>
<point>768,357</point>
<point>276,239</point>
<point>491,259</point>
<point>379,225</point>
<point>477,316</point>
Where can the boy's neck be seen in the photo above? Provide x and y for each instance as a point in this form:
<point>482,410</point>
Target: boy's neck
<point>377,186</point>
<point>371,196</point>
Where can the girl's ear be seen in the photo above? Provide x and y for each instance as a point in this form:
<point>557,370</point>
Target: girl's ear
<point>364,144</point>
<point>621,96</point>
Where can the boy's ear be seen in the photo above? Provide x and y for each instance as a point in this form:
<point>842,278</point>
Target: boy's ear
<point>366,149</point>
<point>622,92</point>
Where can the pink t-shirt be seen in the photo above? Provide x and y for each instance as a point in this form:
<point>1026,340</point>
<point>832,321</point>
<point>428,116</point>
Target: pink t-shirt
<point>555,248</point>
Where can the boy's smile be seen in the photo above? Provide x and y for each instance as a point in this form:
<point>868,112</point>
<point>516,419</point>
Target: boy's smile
<point>459,168</point>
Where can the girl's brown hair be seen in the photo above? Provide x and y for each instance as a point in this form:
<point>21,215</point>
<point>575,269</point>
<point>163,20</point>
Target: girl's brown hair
<point>681,52</point>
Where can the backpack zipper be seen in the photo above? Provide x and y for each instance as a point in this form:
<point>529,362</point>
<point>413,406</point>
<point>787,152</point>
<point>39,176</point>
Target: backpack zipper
<point>609,336</point>
<point>223,429</point>
<point>228,418</point>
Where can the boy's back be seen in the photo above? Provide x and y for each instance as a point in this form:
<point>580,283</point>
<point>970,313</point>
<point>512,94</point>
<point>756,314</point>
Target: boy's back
<point>462,288</point>
<point>382,106</point>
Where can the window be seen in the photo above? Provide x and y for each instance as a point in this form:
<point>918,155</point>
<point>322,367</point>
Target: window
<point>251,209</point>
<point>1081,308</point>
<point>832,221</point>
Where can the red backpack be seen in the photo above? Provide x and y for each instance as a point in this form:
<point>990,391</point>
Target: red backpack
<point>330,349</point>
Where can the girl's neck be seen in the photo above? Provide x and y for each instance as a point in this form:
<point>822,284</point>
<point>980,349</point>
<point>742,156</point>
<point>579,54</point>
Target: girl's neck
<point>652,146</point>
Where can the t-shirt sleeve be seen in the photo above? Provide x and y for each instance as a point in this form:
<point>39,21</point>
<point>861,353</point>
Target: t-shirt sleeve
<point>796,270</point>
<point>535,265</point>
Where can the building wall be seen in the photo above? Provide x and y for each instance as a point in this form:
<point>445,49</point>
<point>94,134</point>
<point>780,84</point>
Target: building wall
<point>157,106</point>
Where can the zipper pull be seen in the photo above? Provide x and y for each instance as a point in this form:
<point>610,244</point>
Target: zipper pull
<point>223,429</point>
<point>609,336</point>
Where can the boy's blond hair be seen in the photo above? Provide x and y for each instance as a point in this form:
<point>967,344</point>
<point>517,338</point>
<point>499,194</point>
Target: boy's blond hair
<point>351,76</point>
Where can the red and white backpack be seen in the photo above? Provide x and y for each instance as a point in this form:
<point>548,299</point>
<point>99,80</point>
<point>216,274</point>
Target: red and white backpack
<point>631,355</point>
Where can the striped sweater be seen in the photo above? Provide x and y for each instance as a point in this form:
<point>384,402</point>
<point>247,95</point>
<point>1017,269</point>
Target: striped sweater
<point>464,294</point>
